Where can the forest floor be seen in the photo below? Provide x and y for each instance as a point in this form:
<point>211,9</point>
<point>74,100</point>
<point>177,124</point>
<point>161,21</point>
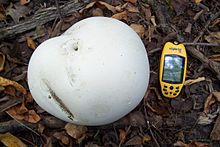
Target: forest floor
<point>190,120</point>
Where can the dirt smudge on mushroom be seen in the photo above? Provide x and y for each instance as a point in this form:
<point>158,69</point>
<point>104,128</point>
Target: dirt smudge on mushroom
<point>58,101</point>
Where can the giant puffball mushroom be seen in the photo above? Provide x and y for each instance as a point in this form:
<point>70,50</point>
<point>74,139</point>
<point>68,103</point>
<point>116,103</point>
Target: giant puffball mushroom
<point>93,74</point>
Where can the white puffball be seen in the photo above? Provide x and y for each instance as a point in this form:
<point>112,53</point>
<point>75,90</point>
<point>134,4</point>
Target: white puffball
<point>93,74</point>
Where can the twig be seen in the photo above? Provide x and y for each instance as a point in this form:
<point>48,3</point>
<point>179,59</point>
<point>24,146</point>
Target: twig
<point>152,134</point>
<point>162,15</point>
<point>154,51</point>
<point>206,26</point>
<point>200,44</point>
<point>24,124</point>
<point>149,127</point>
<point>58,10</point>
<point>39,18</point>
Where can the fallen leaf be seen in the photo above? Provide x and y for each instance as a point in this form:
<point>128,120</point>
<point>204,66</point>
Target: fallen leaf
<point>75,131</point>
<point>97,12</point>
<point>28,98</point>
<point>30,43</point>
<point>197,1</point>
<point>191,144</point>
<point>108,6</point>
<point>131,8</point>
<point>23,2</point>
<point>180,136</point>
<point>90,5</point>
<point>147,12</point>
<point>180,144</point>
<point>206,119</point>
<point>217,95</point>
<point>2,61</point>
<point>121,16</point>
<point>215,134</point>
<point>137,119</point>
<point>215,57</point>
<point>62,136</point>
<point>208,102</point>
<point>132,1</point>
<point>2,17</point>
<point>10,140</point>
<point>19,11</point>
<point>139,29</point>
<point>122,135</point>
<point>32,117</point>
<point>91,144</point>
<point>213,37</point>
<point>217,21</point>
<point>188,29</point>
<point>180,6</point>
<point>146,138</point>
<point>20,112</point>
<point>193,81</point>
<point>6,82</point>
<point>136,140</point>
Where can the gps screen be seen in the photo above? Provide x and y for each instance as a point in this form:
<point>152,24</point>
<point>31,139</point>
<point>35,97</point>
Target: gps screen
<point>173,69</point>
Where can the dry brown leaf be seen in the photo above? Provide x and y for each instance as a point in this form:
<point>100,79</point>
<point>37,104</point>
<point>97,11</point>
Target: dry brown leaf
<point>20,112</point>
<point>205,119</point>
<point>10,140</point>
<point>108,6</point>
<point>180,6</point>
<point>122,135</point>
<point>90,5</point>
<point>17,11</point>
<point>180,136</point>
<point>131,8</point>
<point>198,144</point>
<point>2,61</point>
<point>208,102</point>
<point>97,12</point>
<point>197,1</point>
<point>146,138</point>
<point>32,117</point>
<point>30,43</point>
<point>190,82</point>
<point>213,37</point>
<point>121,16</point>
<point>217,21</point>
<point>29,98</point>
<point>180,144</point>
<point>6,82</point>
<point>215,57</point>
<point>192,144</point>
<point>138,28</point>
<point>136,140</point>
<point>217,95</point>
<point>215,134</point>
<point>2,17</point>
<point>10,90</point>
<point>63,137</point>
<point>23,2</point>
<point>132,1</point>
<point>75,131</point>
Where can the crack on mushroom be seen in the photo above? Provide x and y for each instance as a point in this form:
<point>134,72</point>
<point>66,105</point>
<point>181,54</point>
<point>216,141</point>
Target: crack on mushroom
<point>58,101</point>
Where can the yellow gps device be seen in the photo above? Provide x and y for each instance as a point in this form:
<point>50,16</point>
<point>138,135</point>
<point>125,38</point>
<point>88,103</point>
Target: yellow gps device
<point>172,69</point>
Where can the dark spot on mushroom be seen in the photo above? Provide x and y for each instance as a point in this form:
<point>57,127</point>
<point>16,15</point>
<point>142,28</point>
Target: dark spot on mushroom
<point>76,48</point>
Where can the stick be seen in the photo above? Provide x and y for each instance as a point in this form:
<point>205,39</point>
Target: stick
<point>39,18</point>
<point>212,65</point>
